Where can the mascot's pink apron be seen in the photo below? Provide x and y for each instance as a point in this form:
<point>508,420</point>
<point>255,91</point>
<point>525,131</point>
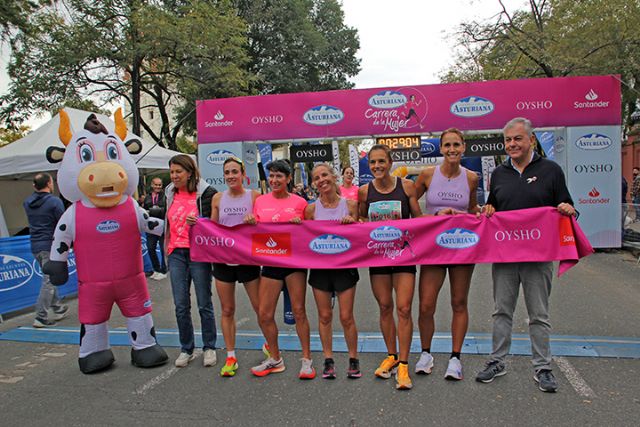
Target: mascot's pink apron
<point>110,235</point>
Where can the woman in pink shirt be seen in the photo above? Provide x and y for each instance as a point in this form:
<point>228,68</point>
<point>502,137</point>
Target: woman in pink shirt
<point>347,189</point>
<point>189,196</point>
<point>281,206</point>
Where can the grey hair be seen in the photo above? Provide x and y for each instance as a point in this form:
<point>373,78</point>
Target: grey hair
<point>528,126</point>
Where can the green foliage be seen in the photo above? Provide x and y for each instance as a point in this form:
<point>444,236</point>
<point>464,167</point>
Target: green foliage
<point>7,136</point>
<point>554,38</point>
<point>300,45</point>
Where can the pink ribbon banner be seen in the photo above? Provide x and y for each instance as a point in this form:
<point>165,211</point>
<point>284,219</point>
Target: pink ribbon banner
<point>564,101</point>
<point>528,235</point>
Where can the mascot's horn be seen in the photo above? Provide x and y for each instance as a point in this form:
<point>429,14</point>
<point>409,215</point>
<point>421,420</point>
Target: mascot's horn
<point>121,126</point>
<point>64,131</point>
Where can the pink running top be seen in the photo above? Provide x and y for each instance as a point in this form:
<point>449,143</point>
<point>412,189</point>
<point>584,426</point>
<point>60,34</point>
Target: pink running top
<point>349,193</point>
<point>232,210</point>
<point>269,209</point>
<point>184,204</point>
<point>448,193</point>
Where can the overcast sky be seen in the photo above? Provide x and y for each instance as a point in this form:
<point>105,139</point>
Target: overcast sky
<point>402,42</point>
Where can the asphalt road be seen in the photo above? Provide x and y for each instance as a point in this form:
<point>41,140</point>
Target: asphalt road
<point>40,384</point>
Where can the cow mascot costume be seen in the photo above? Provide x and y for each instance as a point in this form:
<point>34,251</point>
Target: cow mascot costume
<point>98,174</point>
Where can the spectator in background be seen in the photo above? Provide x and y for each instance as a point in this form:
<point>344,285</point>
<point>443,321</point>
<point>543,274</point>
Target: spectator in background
<point>156,204</point>
<point>43,212</point>
<point>347,189</point>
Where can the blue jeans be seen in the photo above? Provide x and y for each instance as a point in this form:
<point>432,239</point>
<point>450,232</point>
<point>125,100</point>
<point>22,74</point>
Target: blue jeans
<point>152,242</point>
<point>182,270</point>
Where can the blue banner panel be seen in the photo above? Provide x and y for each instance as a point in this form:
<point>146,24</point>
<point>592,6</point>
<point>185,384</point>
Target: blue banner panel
<point>21,276</point>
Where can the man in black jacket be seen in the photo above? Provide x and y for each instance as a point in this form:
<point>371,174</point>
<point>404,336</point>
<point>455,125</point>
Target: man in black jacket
<point>525,180</point>
<point>156,203</point>
<point>43,211</point>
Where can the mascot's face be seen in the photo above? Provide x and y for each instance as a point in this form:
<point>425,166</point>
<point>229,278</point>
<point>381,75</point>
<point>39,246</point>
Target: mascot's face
<point>96,165</point>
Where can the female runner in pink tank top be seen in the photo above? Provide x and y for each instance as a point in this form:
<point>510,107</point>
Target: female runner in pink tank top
<point>331,206</point>
<point>348,190</point>
<point>451,189</point>
<point>233,207</point>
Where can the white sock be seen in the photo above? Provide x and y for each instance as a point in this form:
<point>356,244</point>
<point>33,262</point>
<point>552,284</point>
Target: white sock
<point>231,353</point>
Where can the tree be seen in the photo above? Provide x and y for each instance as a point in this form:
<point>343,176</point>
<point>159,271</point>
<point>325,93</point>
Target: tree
<point>299,45</point>
<point>116,50</point>
<point>7,136</point>
<point>14,14</point>
<point>554,38</point>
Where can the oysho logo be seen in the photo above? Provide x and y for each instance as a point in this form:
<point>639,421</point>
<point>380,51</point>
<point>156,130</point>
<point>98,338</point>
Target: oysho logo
<point>218,157</point>
<point>267,120</point>
<point>457,238</point>
<point>271,244</point>
<point>594,141</point>
<point>388,99</point>
<point>594,198</point>
<point>534,105</point>
<point>323,115</point>
<point>219,121</point>
<point>472,106</point>
<point>215,241</point>
<point>522,234</point>
<point>14,272</point>
<point>329,244</point>
<point>108,226</point>
<point>591,101</point>
<point>385,233</point>
<point>594,168</point>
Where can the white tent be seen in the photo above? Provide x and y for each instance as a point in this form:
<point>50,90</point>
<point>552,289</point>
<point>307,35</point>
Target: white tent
<point>21,159</point>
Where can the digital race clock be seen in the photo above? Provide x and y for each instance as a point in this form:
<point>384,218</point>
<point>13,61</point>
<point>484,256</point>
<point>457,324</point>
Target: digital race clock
<point>399,142</point>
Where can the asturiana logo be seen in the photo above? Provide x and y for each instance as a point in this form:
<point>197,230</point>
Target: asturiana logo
<point>457,238</point>
<point>218,157</point>
<point>594,141</point>
<point>388,99</point>
<point>386,233</point>
<point>427,148</point>
<point>323,115</point>
<point>472,106</point>
<point>14,272</point>
<point>108,226</point>
<point>329,244</point>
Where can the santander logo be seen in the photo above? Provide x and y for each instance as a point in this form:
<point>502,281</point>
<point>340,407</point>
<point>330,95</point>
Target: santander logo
<point>591,95</point>
<point>591,101</point>
<point>594,198</point>
<point>271,244</point>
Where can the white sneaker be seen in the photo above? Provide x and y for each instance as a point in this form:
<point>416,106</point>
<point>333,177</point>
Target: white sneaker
<point>425,364</point>
<point>153,276</point>
<point>454,370</point>
<point>209,357</point>
<point>184,359</point>
<point>159,276</point>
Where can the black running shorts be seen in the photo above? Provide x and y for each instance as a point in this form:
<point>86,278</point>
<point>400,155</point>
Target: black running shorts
<point>236,273</point>
<point>334,280</point>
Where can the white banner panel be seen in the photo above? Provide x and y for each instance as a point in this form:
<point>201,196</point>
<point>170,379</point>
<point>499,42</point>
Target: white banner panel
<point>211,158</point>
<point>594,180</point>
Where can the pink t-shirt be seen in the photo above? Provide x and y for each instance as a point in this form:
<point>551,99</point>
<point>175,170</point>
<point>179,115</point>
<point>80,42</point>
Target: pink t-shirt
<point>349,193</point>
<point>269,209</point>
<point>184,204</point>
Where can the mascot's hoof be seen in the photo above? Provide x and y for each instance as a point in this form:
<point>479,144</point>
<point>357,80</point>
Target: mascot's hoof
<point>96,362</point>
<point>149,357</point>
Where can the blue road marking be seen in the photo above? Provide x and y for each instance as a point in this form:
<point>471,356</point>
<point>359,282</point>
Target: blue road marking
<point>368,342</point>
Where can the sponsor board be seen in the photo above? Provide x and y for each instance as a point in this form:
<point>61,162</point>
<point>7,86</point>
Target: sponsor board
<point>323,115</point>
<point>329,244</point>
<point>594,141</point>
<point>218,157</point>
<point>472,106</point>
<point>457,238</point>
<point>271,244</point>
<point>14,272</point>
<point>311,153</point>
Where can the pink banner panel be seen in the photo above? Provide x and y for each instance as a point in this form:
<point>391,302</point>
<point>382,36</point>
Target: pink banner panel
<point>528,235</point>
<point>547,102</point>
